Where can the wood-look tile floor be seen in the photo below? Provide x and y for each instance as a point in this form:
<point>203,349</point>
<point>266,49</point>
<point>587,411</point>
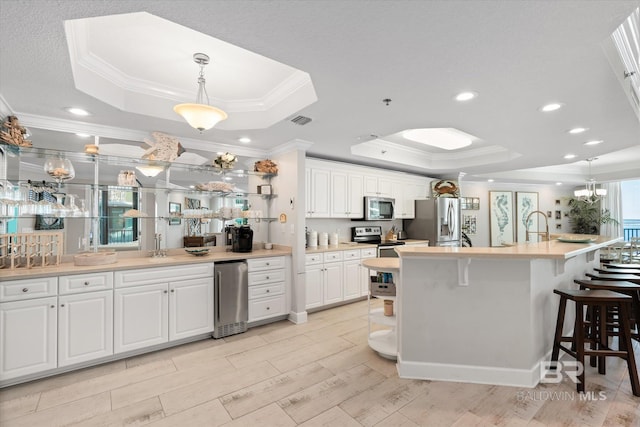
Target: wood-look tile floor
<point>314,374</point>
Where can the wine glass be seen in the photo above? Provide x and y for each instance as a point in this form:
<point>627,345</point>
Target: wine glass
<point>59,169</point>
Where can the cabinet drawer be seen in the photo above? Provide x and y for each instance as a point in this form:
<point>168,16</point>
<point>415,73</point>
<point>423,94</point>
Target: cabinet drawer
<point>266,307</point>
<point>15,290</point>
<point>310,259</point>
<point>266,277</point>
<point>352,254</point>
<point>266,290</point>
<point>332,256</point>
<point>272,263</point>
<point>368,253</point>
<point>86,283</point>
<point>146,276</point>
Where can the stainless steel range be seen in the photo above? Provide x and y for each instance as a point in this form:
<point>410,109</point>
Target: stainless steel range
<point>372,234</point>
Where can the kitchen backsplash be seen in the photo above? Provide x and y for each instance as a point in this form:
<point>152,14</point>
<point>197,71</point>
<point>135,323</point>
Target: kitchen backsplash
<point>343,226</point>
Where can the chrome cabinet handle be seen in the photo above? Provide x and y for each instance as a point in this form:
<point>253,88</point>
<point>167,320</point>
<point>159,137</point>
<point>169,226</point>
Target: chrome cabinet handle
<point>25,289</point>
<point>173,290</point>
<point>267,290</point>
<point>61,305</point>
<point>86,283</point>
<point>53,306</point>
<point>166,292</point>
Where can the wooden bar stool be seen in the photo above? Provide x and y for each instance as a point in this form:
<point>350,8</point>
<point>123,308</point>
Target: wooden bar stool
<point>618,265</point>
<point>615,277</point>
<point>623,287</point>
<point>601,301</point>
<point>634,271</point>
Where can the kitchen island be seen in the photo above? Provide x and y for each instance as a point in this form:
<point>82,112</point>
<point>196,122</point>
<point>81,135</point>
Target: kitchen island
<point>484,315</point>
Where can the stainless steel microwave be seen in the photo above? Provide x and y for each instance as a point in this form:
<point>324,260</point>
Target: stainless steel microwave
<point>378,208</point>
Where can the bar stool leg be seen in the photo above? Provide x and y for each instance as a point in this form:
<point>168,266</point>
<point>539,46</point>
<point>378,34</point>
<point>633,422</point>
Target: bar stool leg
<point>603,339</point>
<point>579,340</point>
<point>625,335</point>
<point>558,337</point>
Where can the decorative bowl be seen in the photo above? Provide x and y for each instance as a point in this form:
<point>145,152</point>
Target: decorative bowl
<point>197,251</point>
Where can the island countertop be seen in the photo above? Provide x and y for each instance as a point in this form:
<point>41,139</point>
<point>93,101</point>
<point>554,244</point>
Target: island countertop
<point>553,249</point>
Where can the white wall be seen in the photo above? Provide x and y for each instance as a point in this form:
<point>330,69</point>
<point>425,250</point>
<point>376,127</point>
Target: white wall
<point>547,197</point>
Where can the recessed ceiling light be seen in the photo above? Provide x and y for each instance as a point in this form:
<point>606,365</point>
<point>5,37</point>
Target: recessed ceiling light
<point>445,138</point>
<point>78,111</point>
<point>490,180</point>
<point>244,139</point>
<point>227,178</point>
<point>576,131</point>
<point>594,142</point>
<point>83,135</point>
<point>465,96</point>
<point>551,107</point>
<point>570,156</point>
<point>558,183</point>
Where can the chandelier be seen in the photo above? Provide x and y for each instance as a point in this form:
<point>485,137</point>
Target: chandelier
<point>200,115</point>
<point>591,193</point>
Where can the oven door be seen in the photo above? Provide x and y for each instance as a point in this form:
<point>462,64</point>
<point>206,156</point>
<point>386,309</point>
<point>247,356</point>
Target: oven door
<point>387,251</point>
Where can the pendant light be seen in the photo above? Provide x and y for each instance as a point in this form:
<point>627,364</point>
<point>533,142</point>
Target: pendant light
<point>590,194</point>
<point>200,115</point>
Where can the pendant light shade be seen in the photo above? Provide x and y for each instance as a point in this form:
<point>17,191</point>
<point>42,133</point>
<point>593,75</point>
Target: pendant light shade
<point>200,115</point>
<point>591,193</point>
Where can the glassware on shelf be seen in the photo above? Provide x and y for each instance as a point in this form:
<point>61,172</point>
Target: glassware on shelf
<point>61,170</point>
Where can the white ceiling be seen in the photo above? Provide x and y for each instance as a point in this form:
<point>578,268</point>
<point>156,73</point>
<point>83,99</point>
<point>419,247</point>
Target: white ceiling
<point>517,55</point>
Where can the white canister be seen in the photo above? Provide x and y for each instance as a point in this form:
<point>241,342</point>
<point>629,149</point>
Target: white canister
<point>323,239</point>
<point>333,239</point>
<point>313,239</point>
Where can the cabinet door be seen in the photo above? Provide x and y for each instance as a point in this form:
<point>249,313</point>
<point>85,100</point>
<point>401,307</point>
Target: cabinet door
<point>320,184</point>
<point>85,327</point>
<point>364,280</point>
<point>398,193</point>
<point>356,196</point>
<point>352,279</point>
<point>307,192</point>
<point>385,187</point>
<point>27,337</point>
<point>190,308</point>
<point>140,317</point>
<point>339,195</point>
<point>370,185</point>
<point>333,282</point>
<point>313,285</point>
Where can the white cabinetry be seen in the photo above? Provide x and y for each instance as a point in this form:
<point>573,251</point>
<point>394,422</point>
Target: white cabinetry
<point>28,340</point>
<point>323,278</point>
<point>346,195</point>
<point>156,305</point>
<point>380,186</point>
<point>317,192</point>
<point>405,193</point>
<point>85,317</point>
<point>267,297</point>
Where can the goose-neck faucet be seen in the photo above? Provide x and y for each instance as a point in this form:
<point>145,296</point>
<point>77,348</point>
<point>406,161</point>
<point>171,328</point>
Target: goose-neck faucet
<point>546,234</point>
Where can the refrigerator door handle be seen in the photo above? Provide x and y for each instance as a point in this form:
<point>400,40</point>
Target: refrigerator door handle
<point>450,220</point>
<point>454,224</point>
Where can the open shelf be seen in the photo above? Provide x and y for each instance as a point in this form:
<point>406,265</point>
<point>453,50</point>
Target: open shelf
<point>384,343</point>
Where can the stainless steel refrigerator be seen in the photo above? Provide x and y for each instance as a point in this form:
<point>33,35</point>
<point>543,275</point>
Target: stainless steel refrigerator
<point>438,220</point>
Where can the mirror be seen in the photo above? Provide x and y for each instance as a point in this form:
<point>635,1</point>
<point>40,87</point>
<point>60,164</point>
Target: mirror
<point>130,206</point>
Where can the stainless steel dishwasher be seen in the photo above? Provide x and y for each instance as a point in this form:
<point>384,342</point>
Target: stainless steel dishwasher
<point>231,298</point>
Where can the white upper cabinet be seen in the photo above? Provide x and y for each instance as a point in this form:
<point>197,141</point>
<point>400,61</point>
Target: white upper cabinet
<point>346,195</point>
<point>405,193</point>
<point>317,198</point>
<point>380,186</point>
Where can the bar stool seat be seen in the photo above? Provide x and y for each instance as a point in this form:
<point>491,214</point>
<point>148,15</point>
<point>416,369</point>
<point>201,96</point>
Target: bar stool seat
<point>634,271</point>
<point>618,265</point>
<point>615,277</point>
<point>623,287</point>
<point>600,301</point>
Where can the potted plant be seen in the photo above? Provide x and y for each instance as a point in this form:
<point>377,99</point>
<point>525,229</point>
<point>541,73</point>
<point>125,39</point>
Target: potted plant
<point>586,217</point>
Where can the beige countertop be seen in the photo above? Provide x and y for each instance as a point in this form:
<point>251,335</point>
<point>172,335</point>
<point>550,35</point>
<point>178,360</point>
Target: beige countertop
<point>388,264</point>
<point>553,249</point>
<point>132,260</point>
<point>345,246</point>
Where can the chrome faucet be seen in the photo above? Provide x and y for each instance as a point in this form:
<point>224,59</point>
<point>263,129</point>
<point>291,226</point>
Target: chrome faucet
<point>546,234</point>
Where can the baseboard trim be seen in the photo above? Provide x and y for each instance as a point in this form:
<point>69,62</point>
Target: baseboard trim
<point>298,318</point>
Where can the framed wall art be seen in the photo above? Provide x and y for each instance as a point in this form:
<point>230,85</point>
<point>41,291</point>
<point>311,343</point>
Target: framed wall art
<point>526,203</point>
<point>501,217</point>
<point>174,213</point>
<point>192,224</point>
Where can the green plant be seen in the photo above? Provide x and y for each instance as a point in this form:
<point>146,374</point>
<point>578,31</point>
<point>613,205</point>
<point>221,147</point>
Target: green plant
<point>586,217</point>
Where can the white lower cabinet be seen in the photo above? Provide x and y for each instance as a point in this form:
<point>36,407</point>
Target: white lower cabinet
<point>267,297</point>
<point>323,278</point>
<point>141,317</point>
<point>28,341</point>
<point>85,327</point>
<point>190,308</point>
<point>178,305</point>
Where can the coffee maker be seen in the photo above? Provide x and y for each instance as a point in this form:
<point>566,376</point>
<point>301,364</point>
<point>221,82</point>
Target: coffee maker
<point>241,238</point>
